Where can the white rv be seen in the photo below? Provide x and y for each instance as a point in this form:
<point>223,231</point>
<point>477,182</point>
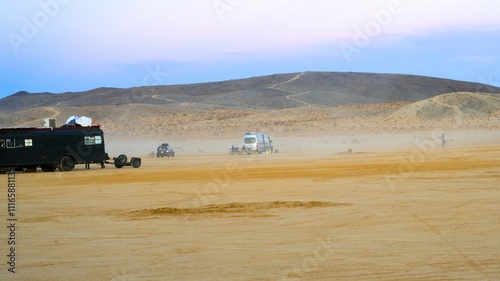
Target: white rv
<point>257,143</point>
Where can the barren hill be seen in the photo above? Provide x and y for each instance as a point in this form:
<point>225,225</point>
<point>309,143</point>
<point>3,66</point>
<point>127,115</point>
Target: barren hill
<point>266,92</point>
<point>301,103</point>
<point>453,110</point>
<point>452,105</point>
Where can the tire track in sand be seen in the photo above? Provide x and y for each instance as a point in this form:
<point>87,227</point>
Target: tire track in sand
<point>467,259</point>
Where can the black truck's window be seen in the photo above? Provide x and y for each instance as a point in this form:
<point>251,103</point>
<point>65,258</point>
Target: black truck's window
<point>91,140</point>
<point>10,143</point>
<point>18,143</point>
<point>28,142</point>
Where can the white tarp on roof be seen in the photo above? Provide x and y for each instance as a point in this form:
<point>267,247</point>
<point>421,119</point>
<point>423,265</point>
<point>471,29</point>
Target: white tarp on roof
<point>83,121</point>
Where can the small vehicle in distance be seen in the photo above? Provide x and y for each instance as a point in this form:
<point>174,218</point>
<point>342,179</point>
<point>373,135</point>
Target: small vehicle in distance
<point>235,150</point>
<point>257,143</point>
<point>165,150</point>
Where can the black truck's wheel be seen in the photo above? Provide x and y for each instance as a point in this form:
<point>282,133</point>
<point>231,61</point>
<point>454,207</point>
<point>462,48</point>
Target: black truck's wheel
<point>49,167</point>
<point>120,161</point>
<point>135,162</point>
<point>66,164</point>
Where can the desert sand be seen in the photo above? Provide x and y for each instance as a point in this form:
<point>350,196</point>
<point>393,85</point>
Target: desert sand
<point>392,206</point>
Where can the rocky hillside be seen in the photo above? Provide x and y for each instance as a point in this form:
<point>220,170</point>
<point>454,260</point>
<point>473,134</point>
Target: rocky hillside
<point>300,104</point>
<point>266,92</point>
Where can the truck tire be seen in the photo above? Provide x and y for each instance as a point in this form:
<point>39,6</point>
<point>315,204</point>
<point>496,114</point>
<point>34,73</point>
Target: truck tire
<point>135,162</point>
<point>120,161</point>
<point>66,164</point>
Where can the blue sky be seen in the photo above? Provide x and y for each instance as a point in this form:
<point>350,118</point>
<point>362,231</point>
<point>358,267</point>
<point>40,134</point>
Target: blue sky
<point>76,45</point>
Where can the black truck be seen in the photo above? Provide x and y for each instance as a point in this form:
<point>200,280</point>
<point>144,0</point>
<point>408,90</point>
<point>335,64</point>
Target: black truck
<point>55,148</point>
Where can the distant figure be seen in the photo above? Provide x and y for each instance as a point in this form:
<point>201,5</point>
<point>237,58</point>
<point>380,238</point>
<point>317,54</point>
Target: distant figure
<point>87,165</point>
<point>443,139</point>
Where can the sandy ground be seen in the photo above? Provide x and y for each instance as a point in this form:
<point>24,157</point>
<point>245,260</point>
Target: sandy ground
<point>405,210</point>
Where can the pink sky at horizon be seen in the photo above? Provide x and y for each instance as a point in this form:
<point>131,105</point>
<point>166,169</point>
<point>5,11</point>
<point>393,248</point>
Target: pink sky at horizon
<point>98,35</point>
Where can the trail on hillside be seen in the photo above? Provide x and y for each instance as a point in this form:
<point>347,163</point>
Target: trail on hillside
<point>56,112</point>
<point>54,115</point>
<point>160,98</point>
<point>457,116</point>
<point>290,97</point>
<point>275,86</point>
